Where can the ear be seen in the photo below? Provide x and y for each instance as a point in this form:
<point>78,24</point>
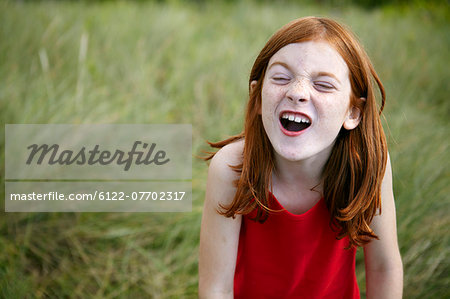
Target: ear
<point>253,85</point>
<point>252,89</point>
<point>354,117</point>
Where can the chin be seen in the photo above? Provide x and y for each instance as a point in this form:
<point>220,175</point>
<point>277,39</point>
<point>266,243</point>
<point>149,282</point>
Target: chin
<point>292,156</point>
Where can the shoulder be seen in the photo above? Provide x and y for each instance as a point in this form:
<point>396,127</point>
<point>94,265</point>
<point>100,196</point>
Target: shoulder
<point>386,184</point>
<point>219,235</point>
<point>382,256</point>
<point>384,224</point>
<point>221,176</point>
<point>229,155</point>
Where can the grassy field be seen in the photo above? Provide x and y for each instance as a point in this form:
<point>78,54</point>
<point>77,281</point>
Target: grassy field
<point>121,62</point>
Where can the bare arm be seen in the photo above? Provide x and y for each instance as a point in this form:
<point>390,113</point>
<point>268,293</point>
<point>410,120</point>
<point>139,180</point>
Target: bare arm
<point>219,236</point>
<point>384,270</point>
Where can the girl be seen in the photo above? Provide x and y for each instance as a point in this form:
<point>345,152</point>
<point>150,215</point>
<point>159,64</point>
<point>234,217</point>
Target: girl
<point>309,180</point>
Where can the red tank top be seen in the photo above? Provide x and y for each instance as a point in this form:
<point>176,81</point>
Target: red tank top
<point>293,256</point>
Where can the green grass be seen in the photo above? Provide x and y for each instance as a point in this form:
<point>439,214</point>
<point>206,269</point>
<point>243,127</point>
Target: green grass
<point>180,63</point>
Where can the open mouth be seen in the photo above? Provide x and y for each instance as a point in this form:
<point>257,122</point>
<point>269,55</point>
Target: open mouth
<point>294,122</point>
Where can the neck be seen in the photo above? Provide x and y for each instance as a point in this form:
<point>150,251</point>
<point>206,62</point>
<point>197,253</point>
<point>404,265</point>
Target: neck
<point>302,175</point>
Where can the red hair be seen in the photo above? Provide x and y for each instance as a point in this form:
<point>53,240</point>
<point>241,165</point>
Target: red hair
<point>354,171</point>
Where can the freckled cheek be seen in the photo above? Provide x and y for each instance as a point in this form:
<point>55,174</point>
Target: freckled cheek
<point>331,117</point>
<point>268,112</point>
<point>332,109</point>
<point>271,95</point>
<point>268,100</point>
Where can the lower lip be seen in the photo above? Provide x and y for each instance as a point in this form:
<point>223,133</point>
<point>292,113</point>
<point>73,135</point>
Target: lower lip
<point>291,133</point>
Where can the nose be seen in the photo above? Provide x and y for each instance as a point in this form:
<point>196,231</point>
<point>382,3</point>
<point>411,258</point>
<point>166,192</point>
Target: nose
<point>298,91</point>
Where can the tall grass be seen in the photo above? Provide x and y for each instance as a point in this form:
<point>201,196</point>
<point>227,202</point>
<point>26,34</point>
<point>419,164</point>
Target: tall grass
<point>122,62</point>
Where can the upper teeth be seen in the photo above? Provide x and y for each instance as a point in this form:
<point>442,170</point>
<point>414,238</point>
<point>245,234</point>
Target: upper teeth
<point>297,118</point>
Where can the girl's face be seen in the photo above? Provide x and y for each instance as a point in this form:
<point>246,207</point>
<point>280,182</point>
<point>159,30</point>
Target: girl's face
<point>306,100</point>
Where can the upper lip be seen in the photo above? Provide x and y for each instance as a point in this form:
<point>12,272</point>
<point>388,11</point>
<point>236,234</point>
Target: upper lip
<point>304,117</point>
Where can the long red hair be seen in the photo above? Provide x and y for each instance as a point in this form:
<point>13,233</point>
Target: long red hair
<point>352,176</point>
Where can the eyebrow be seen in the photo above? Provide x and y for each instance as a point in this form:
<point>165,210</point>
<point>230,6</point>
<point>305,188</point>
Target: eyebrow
<point>279,63</point>
<point>319,74</point>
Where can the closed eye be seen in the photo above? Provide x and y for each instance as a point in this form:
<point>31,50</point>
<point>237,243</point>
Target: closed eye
<point>280,80</point>
<point>323,86</point>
